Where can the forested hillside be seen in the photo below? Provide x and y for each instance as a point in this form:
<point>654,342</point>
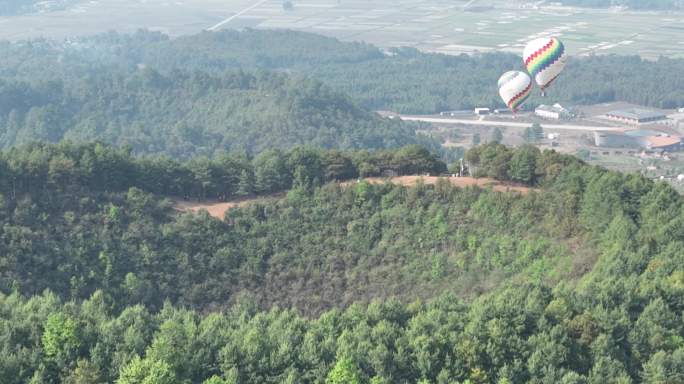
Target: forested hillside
<point>183,114</point>
<point>578,283</point>
<point>85,218</point>
<point>404,80</point>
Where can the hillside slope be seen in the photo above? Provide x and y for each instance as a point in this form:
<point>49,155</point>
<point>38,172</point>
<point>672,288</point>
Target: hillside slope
<point>578,283</point>
<point>185,114</point>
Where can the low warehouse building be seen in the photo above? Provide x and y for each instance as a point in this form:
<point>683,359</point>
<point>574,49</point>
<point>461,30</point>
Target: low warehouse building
<point>664,143</point>
<point>614,139</point>
<point>553,112</point>
<point>639,138</point>
<point>636,116</point>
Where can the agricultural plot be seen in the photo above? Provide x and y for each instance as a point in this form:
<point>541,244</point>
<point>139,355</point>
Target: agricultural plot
<point>445,26</point>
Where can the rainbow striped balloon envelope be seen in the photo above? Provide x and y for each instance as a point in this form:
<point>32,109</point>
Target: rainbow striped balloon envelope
<point>544,59</point>
<point>515,87</point>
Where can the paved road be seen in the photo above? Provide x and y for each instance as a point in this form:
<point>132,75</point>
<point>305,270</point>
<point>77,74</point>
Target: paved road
<point>508,124</point>
<point>228,20</point>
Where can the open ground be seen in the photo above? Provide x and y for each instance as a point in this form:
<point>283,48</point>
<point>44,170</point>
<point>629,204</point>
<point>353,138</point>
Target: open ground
<point>445,26</point>
<point>462,182</point>
<point>218,209</point>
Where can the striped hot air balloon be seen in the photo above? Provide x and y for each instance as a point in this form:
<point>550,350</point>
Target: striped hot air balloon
<point>545,59</point>
<point>515,87</point>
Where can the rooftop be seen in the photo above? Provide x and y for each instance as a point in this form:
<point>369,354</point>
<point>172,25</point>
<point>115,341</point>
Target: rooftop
<point>637,114</point>
<point>552,108</point>
<point>663,141</point>
<point>643,133</point>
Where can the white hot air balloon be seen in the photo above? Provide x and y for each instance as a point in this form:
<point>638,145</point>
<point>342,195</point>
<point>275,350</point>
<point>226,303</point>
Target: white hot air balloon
<point>544,59</point>
<point>515,87</point>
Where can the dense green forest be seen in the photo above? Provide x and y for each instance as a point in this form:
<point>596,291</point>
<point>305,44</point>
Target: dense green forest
<point>183,114</point>
<point>580,282</point>
<point>404,80</point>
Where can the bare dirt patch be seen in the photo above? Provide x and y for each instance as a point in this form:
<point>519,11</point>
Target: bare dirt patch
<point>218,208</point>
<point>456,181</point>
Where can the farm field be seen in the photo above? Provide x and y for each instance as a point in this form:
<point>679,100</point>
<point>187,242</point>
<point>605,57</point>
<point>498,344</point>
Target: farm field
<point>443,26</point>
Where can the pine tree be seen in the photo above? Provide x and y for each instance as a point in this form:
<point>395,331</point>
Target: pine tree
<point>245,183</point>
<point>533,133</point>
<point>497,135</point>
<point>344,372</point>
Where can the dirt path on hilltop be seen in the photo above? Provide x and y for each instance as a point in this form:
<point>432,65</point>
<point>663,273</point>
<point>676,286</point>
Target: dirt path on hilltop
<point>456,181</point>
<point>218,208</point>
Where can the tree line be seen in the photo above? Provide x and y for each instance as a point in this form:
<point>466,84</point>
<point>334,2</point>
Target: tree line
<point>97,167</point>
<point>400,79</point>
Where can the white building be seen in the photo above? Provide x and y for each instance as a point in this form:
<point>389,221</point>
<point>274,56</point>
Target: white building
<point>455,113</point>
<point>552,112</point>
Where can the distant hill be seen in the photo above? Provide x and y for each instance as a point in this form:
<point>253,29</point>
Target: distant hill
<point>193,113</point>
<point>401,79</point>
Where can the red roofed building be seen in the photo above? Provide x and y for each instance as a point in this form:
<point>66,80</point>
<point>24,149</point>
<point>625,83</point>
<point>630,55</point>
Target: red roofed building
<point>663,143</point>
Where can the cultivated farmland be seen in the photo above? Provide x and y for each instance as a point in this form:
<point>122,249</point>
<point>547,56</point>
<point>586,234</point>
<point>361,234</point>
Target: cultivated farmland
<point>451,27</point>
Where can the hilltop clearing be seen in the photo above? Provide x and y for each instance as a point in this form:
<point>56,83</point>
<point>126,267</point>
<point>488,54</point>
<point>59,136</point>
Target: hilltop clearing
<point>496,185</point>
<point>218,208</point>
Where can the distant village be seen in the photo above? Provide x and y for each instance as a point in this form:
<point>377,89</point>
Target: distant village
<point>640,127</point>
<point>612,133</point>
